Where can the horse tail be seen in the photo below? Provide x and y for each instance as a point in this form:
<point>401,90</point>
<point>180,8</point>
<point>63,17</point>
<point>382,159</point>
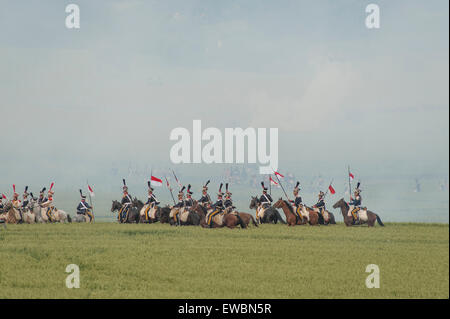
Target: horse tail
<point>253,220</point>
<point>240,221</point>
<point>280,219</point>
<point>69,219</point>
<point>379,220</point>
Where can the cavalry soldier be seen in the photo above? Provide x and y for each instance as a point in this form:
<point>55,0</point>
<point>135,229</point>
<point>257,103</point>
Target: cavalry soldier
<point>179,205</point>
<point>15,199</point>
<point>216,207</point>
<point>355,203</point>
<point>151,201</point>
<point>205,200</point>
<point>228,202</point>
<point>126,203</point>
<point>265,199</point>
<point>189,202</point>
<point>297,202</point>
<point>25,198</point>
<point>84,208</point>
<point>42,198</point>
<point>48,203</point>
<point>321,203</point>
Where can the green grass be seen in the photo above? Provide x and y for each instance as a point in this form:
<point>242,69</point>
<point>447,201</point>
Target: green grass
<point>272,261</point>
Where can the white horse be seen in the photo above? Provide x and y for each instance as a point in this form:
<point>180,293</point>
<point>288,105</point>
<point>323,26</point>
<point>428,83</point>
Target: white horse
<point>56,215</point>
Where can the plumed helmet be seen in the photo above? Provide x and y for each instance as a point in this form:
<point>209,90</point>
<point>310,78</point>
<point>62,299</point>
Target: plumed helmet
<point>205,187</point>
<point>263,187</point>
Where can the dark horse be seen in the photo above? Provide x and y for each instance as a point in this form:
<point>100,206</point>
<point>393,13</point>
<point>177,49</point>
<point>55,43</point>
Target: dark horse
<point>133,213</point>
<point>271,214</point>
<point>349,221</point>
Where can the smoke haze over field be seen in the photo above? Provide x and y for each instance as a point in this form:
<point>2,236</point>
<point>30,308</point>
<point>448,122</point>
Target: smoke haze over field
<point>88,103</point>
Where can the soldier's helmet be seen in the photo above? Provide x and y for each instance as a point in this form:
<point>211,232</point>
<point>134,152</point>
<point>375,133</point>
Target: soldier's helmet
<point>321,194</point>
<point>188,191</point>
<point>181,192</point>
<point>205,187</point>
<point>42,192</point>
<point>296,188</point>
<point>15,194</point>
<point>125,187</point>
<point>25,193</point>
<point>219,194</point>
<point>227,192</point>
<point>82,196</point>
<point>357,189</point>
<point>264,187</point>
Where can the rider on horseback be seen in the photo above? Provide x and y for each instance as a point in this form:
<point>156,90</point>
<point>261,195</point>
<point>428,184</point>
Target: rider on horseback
<point>356,203</point>
<point>126,203</point>
<point>297,202</point>
<point>84,208</point>
<point>179,205</point>
<point>151,201</point>
<point>42,198</point>
<point>265,199</point>
<point>205,199</point>
<point>321,203</point>
<point>217,207</point>
<point>25,198</point>
<point>228,203</point>
<point>189,202</point>
<point>48,203</point>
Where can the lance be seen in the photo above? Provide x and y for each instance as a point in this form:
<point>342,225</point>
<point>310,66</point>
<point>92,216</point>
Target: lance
<point>349,184</point>
<point>90,201</point>
<point>178,182</point>
<point>279,182</point>
<point>170,189</point>
<point>270,185</point>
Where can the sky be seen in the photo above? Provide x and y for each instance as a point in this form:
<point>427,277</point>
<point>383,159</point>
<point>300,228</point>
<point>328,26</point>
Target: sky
<point>76,103</point>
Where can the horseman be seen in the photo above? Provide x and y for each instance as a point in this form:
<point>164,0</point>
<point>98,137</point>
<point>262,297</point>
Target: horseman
<point>42,198</point>
<point>205,200</point>
<point>321,203</point>
<point>2,206</point>
<point>228,203</point>
<point>216,207</point>
<point>179,206</point>
<point>84,208</point>
<point>265,199</point>
<point>355,203</point>
<point>297,202</point>
<point>126,203</point>
<point>48,203</point>
<point>16,203</point>
<point>189,202</point>
<point>25,198</point>
<point>151,200</point>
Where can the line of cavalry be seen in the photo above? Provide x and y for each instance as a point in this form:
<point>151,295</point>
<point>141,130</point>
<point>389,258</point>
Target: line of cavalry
<point>188,211</point>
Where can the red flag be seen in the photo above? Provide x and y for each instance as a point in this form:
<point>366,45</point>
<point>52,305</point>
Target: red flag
<point>276,173</point>
<point>351,176</point>
<point>272,181</point>
<point>4,196</point>
<point>156,181</point>
<point>91,191</point>
<point>332,191</point>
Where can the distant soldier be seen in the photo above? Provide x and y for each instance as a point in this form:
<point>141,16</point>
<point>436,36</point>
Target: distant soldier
<point>126,202</point>
<point>265,199</point>
<point>321,202</point>
<point>297,202</point>
<point>25,198</point>
<point>84,208</point>
<point>205,200</point>
<point>42,197</point>
<point>189,202</point>
<point>48,203</point>
<point>151,200</point>
<point>216,207</point>
<point>179,205</point>
<point>2,206</point>
<point>355,203</point>
<point>228,203</point>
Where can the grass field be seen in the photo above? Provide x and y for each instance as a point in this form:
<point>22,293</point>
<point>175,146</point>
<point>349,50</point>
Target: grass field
<point>272,261</point>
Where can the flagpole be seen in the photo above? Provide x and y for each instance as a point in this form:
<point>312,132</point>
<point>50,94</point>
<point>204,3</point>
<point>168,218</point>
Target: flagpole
<point>170,189</point>
<point>328,189</point>
<point>90,202</point>
<point>279,182</point>
<point>349,184</point>
<point>270,185</point>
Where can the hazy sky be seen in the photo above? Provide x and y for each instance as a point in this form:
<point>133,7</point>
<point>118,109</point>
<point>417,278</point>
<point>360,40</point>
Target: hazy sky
<point>74,103</point>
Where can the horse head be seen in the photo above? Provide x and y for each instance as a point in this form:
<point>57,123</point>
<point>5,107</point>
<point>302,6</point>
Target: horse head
<point>253,202</point>
<point>340,203</point>
<point>115,206</point>
<point>279,203</point>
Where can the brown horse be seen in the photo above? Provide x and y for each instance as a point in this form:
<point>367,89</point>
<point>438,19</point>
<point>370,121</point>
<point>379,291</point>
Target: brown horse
<point>369,217</point>
<point>247,218</point>
<point>232,220</point>
<point>291,218</point>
